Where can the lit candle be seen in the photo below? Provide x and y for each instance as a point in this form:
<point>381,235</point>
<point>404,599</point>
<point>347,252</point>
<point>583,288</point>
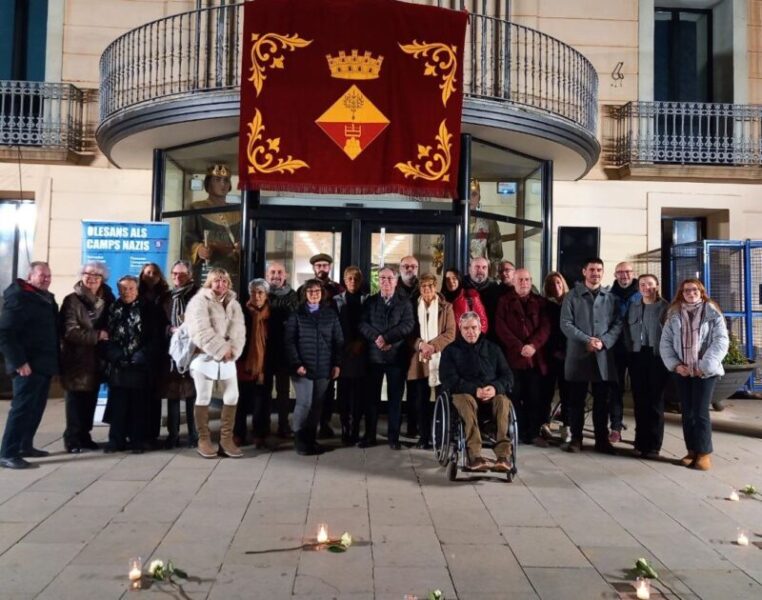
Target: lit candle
<point>743,539</point>
<point>642,590</point>
<point>322,535</point>
<point>136,573</point>
<point>734,496</point>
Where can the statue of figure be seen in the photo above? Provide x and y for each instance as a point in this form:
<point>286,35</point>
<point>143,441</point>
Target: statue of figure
<point>483,234</point>
<point>213,239</point>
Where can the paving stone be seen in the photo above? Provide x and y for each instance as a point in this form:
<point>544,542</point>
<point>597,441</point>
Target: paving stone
<point>720,584</point>
<point>241,581</point>
<point>485,568</point>
<point>118,542</point>
<point>322,572</point>
<point>570,584</point>
<point>392,583</point>
<point>543,547</point>
<point>72,524</point>
<point>85,582</point>
<point>32,506</point>
<point>12,532</point>
<point>28,568</point>
<point>406,546</point>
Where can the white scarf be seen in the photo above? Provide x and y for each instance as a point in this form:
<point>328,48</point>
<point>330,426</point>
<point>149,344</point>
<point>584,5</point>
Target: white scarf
<point>428,320</point>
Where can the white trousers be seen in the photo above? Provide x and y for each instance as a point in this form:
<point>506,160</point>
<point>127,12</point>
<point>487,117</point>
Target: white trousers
<point>205,386</point>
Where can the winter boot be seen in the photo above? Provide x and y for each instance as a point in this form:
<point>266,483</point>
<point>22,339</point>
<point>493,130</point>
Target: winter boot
<point>703,462</point>
<point>227,446</point>
<point>205,448</point>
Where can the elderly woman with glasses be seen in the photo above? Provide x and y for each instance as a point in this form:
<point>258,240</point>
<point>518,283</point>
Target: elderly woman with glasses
<point>314,341</point>
<point>83,332</point>
<point>693,343</point>
<point>253,368</point>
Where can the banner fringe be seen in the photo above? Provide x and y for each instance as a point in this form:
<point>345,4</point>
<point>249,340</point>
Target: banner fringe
<point>326,189</point>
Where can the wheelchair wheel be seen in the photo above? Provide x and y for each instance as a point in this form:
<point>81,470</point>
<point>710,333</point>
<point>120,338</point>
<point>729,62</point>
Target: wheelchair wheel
<point>440,429</point>
<point>513,431</point>
<point>452,470</point>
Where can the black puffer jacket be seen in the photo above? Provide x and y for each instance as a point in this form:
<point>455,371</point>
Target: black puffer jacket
<point>282,304</point>
<point>465,367</point>
<point>29,329</point>
<point>314,341</point>
<point>393,321</point>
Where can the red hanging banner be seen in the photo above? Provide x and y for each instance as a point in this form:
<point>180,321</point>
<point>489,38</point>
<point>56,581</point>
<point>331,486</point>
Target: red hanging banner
<point>342,96</point>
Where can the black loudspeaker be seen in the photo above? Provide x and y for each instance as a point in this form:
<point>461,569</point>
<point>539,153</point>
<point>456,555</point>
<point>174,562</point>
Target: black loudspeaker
<point>575,245</point>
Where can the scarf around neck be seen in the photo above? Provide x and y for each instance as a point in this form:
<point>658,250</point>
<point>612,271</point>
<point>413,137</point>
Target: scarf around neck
<point>254,362</point>
<point>180,298</point>
<point>428,321</point>
<point>690,317</point>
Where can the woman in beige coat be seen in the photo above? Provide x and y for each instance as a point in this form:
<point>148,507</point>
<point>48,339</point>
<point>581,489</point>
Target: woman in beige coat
<point>215,324</point>
<point>434,330</point>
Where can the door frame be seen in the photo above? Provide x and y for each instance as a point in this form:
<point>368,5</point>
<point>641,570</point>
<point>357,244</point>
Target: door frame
<point>355,225</point>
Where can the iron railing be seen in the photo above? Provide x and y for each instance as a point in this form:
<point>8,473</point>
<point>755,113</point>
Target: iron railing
<point>200,51</point>
<point>41,114</point>
<point>685,133</point>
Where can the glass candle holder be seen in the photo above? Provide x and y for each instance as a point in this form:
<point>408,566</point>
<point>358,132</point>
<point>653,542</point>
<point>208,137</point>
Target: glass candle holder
<point>135,573</point>
<point>642,588</point>
<point>322,533</point>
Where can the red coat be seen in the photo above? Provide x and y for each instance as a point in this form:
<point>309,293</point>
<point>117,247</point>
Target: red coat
<point>469,300</point>
<point>520,323</point>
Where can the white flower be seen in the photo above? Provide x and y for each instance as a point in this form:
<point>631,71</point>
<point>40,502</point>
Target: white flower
<point>155,566</point>
<point>346,539</point>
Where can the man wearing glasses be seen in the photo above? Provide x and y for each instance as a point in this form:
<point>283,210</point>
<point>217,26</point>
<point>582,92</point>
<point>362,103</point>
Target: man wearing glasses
<point>407,285</point>
<point>626,289</point>
<point>386,322</point>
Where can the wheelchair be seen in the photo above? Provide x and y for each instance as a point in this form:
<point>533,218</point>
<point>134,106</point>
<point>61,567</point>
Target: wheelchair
<point>449,439</point>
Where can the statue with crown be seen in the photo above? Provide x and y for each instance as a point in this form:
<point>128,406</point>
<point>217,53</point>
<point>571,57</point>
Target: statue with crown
<point>214,239</point>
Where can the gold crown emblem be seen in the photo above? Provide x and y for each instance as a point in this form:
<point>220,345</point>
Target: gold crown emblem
<point>219,170</point>
<point>354,66</point>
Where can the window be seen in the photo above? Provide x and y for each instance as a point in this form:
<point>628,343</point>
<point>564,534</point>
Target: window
<point>17,220</point>
<point>23,32</point>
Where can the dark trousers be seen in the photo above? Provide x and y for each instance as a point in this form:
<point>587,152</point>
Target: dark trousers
<point>80,411</point>
<point>30,396</point>
<point>532,407</point>
<point>616,404</point>
<point>173,419</point>
<point>327,411</point>
<point>254,400</point>
<point>577,397</point>
<point>419,401</point>
<point>129,409</point>
<point>282,395</point>
<point>648,376</point>
<point>349,392</point>
<point>395,386</point>
<point>695,396</point>
<point>153,414</point>
<point>555,377</point>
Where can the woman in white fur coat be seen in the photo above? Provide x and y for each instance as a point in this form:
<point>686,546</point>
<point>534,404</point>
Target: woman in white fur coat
<point>215,324</point>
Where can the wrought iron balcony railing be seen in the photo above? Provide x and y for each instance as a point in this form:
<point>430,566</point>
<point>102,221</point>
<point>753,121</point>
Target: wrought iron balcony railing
<point>685,133</point>
<point>199,51</point>
<point>41,114</point>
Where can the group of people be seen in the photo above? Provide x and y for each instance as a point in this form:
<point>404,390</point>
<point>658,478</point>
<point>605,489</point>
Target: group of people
<point>485,341</point>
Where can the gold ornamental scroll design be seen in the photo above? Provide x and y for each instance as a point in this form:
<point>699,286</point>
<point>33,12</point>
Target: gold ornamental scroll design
<point>436,167</point>
<point>266,53</point>
<point>441,60</point>
<point>262,157</point>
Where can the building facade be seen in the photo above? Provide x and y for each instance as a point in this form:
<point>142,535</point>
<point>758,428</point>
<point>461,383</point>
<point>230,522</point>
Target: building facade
<point>636,119</point>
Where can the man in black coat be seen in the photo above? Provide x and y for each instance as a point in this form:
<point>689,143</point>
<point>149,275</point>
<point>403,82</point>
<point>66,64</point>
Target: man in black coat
<point>29,342</point>
<point>386,322</point>
<point>474,371</point>
<point>490,291</point>
<point>283,301</point>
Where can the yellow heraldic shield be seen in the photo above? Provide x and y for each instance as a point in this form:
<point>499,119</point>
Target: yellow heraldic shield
<point>352,122</point>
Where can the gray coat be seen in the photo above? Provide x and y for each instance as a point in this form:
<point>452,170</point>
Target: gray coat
<point>633,327</point>
<point>713,337</point>
<point>583,317</point>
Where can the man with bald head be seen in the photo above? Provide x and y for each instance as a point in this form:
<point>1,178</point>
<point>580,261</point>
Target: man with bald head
<point>407,286</point>
<point>489,291</point>
<point>283,301</point>
<point>522,324</point>
<point>626,289</point>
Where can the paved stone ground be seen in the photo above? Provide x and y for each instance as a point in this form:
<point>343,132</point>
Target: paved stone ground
<point>570,526</point>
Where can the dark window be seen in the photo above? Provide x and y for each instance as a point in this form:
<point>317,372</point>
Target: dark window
<point>674,231</point>
<point>23,31</point>
<point>683,55</point>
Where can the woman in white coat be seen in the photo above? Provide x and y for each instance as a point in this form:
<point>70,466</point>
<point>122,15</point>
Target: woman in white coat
<point>215,323</point>
<point>693,343</point>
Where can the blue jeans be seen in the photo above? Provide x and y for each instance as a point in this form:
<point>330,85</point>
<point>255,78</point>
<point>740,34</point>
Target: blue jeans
<point>30,396</point>
<point>695,396</point>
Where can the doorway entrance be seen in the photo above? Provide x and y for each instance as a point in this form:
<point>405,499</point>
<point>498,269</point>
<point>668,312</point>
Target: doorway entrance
<point>367,239</point>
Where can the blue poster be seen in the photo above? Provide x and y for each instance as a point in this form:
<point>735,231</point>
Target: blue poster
<point>125,247</point>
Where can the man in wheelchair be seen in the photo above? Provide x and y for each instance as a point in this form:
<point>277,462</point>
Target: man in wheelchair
<point>474,371</point>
